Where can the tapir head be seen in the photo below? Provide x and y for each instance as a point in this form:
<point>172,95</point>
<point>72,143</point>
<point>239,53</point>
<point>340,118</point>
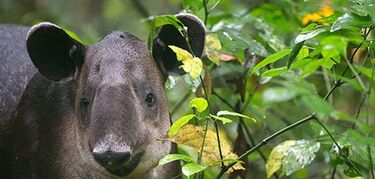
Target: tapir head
<point>117,94</point>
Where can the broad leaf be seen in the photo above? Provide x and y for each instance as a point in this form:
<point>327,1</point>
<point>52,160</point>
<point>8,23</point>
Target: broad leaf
<point>294,155</point>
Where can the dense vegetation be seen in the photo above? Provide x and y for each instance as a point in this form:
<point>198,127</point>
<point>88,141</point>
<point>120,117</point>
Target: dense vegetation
<point>287,85</point>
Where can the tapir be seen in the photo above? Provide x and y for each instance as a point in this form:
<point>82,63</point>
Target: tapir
<point>70,110</point>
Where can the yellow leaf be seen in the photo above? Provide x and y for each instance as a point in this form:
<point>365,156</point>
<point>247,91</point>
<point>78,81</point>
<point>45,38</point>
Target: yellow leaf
<point>190,64</point>
<point>213,45</point>
<point>276,156</point>
<point>181,54</point>
<point>212,42</point>
<point>192,136</point>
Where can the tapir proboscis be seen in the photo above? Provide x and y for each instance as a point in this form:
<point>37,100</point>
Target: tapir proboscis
<point>69,110</point>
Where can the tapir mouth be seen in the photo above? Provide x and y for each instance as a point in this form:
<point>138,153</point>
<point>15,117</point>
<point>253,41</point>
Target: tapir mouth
<point>126,168</point>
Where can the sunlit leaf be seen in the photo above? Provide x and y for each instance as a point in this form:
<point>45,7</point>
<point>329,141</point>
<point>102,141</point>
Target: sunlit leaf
<point>270,59</point>
<point>199,103</point>
<point>309,34</point>
<point>222,119</point>
<point>179,123</point>
<point>294,155</point>
<point>173,157</point>
<point>230,113</point>
<point>192,168</point>
<point>192,65</point>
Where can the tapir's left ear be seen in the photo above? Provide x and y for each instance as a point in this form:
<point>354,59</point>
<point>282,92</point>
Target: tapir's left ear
<point>169,35</point>
<point>54,53</point>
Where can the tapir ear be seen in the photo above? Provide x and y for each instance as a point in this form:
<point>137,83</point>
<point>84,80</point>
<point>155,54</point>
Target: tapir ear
<point>169,35</point>
<point>54,53</point>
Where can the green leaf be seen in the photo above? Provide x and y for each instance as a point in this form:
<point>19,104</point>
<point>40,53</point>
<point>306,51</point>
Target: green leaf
<point>294,155</point>
<point>309,34</point>
<point>229,113</point>
<point>222,119</point>
<point>192,168</point>
<point>294,53</point>
<point>299,155</point>
<point>274,72</point>
<point>270,59</point>
<point>199,103</point>
<point>235,40</point>
<point>173,157</point>
<point>351,20</point>
<point>178,124</point>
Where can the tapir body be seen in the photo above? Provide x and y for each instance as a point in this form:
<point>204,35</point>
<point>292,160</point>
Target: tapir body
<point>97,111</point>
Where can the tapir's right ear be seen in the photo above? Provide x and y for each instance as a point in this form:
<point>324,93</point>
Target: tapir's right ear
<point>54,53</point>
<point>169,35</point>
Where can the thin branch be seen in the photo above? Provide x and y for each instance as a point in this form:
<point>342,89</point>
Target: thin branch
<point>205,12</point>
<point>215,122</point>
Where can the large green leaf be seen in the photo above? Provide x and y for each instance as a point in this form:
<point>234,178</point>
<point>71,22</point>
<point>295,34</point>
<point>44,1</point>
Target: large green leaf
<point>235,40</point>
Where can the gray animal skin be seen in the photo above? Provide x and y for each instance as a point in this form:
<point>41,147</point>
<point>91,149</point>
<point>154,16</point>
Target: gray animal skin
<point>95,111</point>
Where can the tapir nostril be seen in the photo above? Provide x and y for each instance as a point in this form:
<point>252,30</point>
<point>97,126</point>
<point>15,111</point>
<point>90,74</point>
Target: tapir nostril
<point>111,160</point>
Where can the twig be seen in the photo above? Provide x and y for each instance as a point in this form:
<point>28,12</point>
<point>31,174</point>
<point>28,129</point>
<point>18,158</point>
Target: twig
<point>205,12</point>
<point>215,122</point>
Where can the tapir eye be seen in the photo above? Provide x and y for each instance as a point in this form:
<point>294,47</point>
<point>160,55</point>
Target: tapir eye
<point>84,102</point>
<point>150,99</point>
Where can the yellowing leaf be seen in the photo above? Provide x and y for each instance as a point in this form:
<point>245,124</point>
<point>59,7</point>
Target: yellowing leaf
<point>276,157</point>
<point>181,54</point>
<point>192,136</point>
<point>192,65</point>
<point>213,45</point>
<point>212,42</point>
